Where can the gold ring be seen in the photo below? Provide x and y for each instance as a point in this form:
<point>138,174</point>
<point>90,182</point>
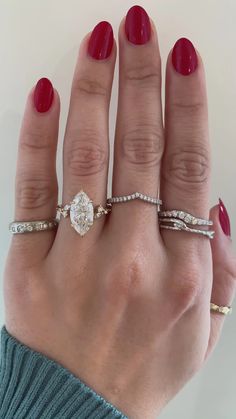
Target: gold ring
<point>82,212</point>
<point>221,309</point>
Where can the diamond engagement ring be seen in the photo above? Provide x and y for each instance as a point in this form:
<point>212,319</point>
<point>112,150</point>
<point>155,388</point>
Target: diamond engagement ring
<point>82,212</point>
<point>135,195</point>
<point>180,220</point>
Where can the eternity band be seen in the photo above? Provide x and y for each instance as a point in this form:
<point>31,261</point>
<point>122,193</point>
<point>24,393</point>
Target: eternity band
<point>135,195</point>
<point>20,227</point>
<point>185,216</point>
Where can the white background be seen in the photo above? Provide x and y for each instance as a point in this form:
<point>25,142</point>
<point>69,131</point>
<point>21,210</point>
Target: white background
<point>41,39</point>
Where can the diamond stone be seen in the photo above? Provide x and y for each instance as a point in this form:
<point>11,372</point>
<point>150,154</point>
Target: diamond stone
<point>81,213</point>
<point>188,218</point>
<point>20,228</point>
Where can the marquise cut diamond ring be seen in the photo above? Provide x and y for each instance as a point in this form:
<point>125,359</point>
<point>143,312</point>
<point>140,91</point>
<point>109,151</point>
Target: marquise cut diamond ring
<point>82,212</point>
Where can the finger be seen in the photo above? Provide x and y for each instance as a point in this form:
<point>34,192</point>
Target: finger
<point>36,180</point>
<point>139,129</point>
<point>86,144</point>
<point>224,270</point>
<point>185,181</point>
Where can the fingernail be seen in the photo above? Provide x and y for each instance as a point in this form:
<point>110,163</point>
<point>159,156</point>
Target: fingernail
<point>137,26</point>
<point>101,41</point>
<point>43,95</point>
<point>184,57</point>
<point>224,219</point>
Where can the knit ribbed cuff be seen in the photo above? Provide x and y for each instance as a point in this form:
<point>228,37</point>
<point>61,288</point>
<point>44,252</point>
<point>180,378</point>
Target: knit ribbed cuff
<point>34,386</point>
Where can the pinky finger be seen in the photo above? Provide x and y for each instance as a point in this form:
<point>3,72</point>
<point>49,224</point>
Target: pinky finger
<point>224,270</point>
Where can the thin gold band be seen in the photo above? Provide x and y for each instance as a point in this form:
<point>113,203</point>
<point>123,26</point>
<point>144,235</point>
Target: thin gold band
<point>221,309</point>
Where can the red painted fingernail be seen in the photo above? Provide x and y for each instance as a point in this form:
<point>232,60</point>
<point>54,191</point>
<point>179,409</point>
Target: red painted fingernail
<point>184,57</point>
<point>101,41</point>
<point>43,95</point>
<point>137,26</point>
<point>224,218</point>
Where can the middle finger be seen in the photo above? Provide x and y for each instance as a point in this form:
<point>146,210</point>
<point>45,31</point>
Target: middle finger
<point>139,128</point>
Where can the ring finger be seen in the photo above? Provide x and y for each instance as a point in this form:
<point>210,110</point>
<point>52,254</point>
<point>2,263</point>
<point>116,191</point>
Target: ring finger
<point>186,161</point>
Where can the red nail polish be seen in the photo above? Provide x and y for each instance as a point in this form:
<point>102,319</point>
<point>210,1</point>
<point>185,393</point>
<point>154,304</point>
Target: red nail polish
<point>101,41</point>
<point>224,219</point>
<point>43,95</point>
<point>137,26</point>
<point>184,57</point>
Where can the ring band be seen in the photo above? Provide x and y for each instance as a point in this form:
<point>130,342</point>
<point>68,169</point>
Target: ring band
<point>20,227</point>
<point>181,220</point>
<point>82,212</point>
<point>180,225</point>
<point>131,197</point>
<point>221,309</point>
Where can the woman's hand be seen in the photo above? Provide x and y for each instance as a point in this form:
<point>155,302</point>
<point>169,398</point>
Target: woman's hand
<point>126,308</point>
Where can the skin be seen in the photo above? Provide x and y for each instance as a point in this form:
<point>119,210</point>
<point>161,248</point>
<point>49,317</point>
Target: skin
<point>126,307</point>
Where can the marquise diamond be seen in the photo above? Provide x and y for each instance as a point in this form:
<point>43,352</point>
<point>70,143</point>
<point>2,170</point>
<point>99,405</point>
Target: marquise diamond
<point>81,213</point>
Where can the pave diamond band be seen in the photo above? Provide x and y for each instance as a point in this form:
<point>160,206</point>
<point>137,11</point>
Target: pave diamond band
<point>135,195</point>
<point>221,309</point>
<point>82,212</point>
<point>180,220</point>
<point>185,216</point>
<point>20,227</point>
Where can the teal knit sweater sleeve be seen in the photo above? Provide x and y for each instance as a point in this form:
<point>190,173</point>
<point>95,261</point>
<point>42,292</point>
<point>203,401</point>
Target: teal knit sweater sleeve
<point>34,386</point>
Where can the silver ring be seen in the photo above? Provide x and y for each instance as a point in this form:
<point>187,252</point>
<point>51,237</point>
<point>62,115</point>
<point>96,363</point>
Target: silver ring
<point>180,220</point>
<point>185,216</point>
<point>135,195</point>
<point>82,212</point>
<point>20,227</point>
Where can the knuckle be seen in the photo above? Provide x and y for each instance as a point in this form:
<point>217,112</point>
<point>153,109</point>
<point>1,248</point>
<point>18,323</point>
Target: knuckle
<point>87,86</point>
<point>187,108</point>
<point>34,192</point>
<point>36,140</point>
<point>143,146</point>
<point>148,75</point>
<point>188,165</point>
<point>86,156</point>
<point>186,287</point>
